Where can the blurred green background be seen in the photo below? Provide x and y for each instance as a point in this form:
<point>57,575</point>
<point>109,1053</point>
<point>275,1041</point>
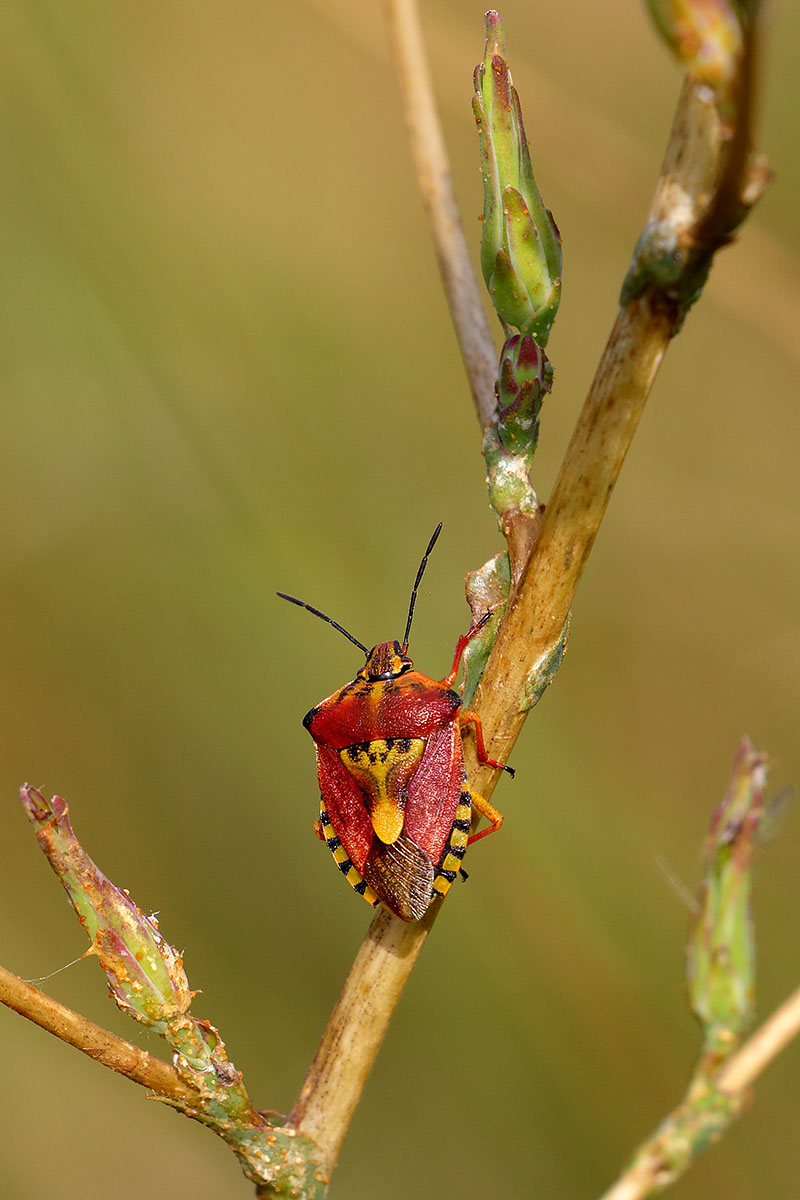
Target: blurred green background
<point>228,368</point>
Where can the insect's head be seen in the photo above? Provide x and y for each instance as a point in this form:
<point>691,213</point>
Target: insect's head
<point>387,660</point>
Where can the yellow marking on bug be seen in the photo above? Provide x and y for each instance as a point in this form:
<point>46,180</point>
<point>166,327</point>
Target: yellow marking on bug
<point>383,769</point>
<point>387,821</point>
<point>451,862</point>
<point>343,862</point>
<point>460,837</point>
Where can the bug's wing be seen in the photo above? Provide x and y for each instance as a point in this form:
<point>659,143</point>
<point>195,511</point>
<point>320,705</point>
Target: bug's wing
<point>344,802</point>
<point>401,876</point>
<point>434,792</point>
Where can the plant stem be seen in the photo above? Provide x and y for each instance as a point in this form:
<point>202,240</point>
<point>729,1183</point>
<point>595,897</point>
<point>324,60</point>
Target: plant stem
<point>779,1029</point>
<point>436,185</point>
<point>537,612</point>
<point>100,1044</point>
<point>356,1028</point>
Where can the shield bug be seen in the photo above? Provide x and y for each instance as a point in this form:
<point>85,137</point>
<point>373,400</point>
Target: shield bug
<point>396,806</point>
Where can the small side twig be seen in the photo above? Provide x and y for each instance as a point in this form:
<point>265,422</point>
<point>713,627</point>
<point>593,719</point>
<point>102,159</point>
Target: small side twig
<point>95,1041</point>
<point>720,977</point>
<point>726,1095</point>
<point>436,185</point>
<point>780,1028</point>
<point>147,981</point>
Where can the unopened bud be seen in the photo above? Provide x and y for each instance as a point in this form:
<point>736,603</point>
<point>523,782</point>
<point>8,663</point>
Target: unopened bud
<point>145,974</point>
<point>524,377</point>
<point>520,244</point>
<point>720,964</point>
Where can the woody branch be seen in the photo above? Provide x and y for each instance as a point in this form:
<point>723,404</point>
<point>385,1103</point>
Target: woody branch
<point>93,1040</point>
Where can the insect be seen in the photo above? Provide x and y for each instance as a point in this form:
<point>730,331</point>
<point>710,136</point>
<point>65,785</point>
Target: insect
<point>396,806</point>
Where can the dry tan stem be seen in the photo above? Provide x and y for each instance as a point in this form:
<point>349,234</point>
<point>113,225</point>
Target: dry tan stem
<point>743,1067</point>
<point>436,185</point>
<point>356,1029</point>
<point>100,1044</point>
<point>636,1183</point>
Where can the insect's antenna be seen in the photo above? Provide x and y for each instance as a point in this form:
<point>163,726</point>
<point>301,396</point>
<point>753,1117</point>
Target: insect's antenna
<point>415,588</point>
<point>317,613</point>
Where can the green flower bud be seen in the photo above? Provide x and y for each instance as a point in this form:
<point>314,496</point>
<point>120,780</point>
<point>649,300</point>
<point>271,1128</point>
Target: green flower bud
<point>520,244</point>
<point>720,963</point>
<point>706,35</point>
<point>145,974</point>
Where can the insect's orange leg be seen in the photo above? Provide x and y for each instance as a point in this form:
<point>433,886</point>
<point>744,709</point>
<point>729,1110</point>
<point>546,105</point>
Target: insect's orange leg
<point>472,718</point>
<point>486,810</point>
<point>318,830</point>
<point>461,646</point>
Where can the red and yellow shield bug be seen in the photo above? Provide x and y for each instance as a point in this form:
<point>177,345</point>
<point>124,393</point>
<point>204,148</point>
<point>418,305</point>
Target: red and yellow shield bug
<point>396,807</point>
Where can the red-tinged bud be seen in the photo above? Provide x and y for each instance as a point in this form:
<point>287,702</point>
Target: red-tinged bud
<point>509,442</point>
<point>145,974</point>
<point>524,377</point>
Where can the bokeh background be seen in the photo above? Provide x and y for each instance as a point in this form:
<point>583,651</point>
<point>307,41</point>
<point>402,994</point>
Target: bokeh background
<point>228,368</point>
